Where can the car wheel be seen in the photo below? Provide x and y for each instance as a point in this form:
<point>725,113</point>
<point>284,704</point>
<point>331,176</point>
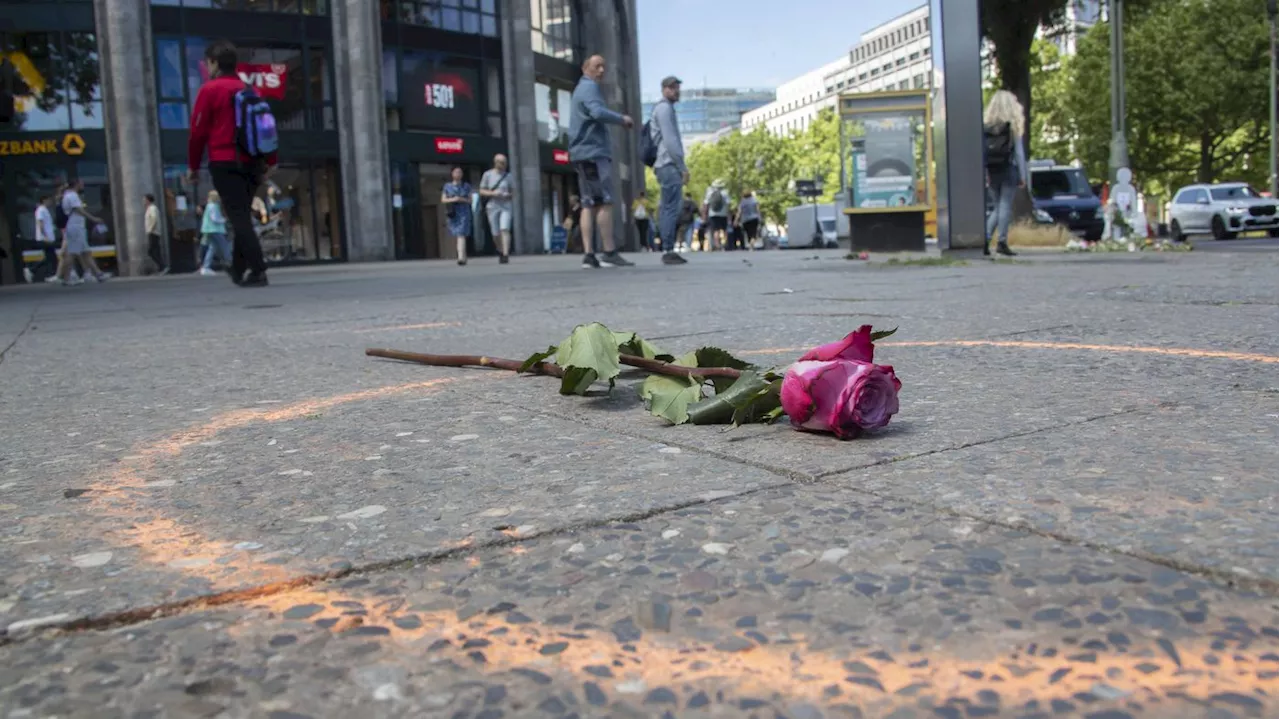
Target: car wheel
<point>1175,232</point>
<point>1220,230</point>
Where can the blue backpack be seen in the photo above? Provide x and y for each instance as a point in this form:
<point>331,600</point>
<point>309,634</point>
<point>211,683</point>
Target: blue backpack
<point>255,125</point>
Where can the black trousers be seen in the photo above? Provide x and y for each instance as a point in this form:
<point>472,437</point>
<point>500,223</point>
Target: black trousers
<point>154,252</point>
<point>237,184</point>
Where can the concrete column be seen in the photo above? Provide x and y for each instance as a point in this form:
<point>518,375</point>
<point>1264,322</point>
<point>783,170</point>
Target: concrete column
<point>611,32</point>
<point>521,126</point>
<point>126,61</point>
<point>362,130</point>
<point>957,123</point>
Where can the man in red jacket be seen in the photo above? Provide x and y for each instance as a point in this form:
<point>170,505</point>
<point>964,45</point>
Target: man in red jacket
<point>236,175</point>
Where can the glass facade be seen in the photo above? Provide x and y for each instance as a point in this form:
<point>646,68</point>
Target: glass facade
<point>555,28</point>
<point>473,17</point>
<point>704,111</point>
<point>54,78</point>
<point>305,7</point>
<point>294,79</point>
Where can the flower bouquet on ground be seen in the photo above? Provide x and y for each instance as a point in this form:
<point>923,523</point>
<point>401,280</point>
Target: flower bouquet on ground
<point>836,388</point>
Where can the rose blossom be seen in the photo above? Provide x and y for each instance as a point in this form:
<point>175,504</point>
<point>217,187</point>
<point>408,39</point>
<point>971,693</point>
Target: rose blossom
<point>856,346</point>
<point>839,396</point>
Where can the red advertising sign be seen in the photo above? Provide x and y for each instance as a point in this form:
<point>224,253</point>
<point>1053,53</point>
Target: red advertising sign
<point>266,79</point>
<point>560,157</point>
<point>449,145</point>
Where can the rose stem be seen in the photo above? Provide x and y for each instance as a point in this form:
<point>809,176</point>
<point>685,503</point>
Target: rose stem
<point>549,368</point>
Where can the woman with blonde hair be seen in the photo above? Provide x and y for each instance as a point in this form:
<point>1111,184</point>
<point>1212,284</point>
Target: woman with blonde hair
<point>1004,130</point>
<point>213,227</point>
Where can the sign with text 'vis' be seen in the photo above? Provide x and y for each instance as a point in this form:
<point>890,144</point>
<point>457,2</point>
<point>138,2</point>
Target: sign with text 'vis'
<point>266,79</point>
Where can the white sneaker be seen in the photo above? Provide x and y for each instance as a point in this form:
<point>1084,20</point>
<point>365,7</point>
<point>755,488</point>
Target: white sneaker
<point>28,275</point>
<point>206,272</point>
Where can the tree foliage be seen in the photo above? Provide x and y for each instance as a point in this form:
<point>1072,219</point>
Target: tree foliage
<point>1011,27</point>
<point>1196,79</point>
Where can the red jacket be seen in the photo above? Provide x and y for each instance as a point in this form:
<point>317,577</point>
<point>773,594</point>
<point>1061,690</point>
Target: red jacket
<point>213,124</point>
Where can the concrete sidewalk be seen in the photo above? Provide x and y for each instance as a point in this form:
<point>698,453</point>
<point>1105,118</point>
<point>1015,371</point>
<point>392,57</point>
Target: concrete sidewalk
<point>214,505</point>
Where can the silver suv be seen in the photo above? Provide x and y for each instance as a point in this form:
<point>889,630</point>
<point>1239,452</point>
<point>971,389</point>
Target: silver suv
<point>1224,210</point>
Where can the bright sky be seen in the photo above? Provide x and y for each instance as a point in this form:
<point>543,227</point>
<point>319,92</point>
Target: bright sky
<point>755,43</point>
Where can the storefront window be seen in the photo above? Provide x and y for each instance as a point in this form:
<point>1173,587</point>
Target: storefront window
<point>296,212</point>
<point>294,80</point>
<point>306,7</point>
<point>54,78</point>
<point>475,17</point>
<point>552,109</point>
<point>554,28</point>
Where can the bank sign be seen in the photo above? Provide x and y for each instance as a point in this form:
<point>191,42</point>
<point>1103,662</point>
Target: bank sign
<point>69,144</point>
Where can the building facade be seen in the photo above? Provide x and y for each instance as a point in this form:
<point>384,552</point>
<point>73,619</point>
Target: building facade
<point>705,111</point>
<point>376,100</point>
<point>891,56</point>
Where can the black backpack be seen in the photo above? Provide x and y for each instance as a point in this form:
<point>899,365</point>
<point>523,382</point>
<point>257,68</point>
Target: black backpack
<point>60,216</point>
<point>649,143</point>
<point>997,146</point>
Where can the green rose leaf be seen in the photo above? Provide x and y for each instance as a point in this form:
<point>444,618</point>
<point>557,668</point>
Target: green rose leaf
<point>630,343</point>
<point>587,355</point>
<point>577,380</point>
<point>721,408</point>
<point>881,334</point>
<point>716,357</point>
<point>773,415</point>
<point>760,406</point>
<point>537,357</point>
<point>670,397</point>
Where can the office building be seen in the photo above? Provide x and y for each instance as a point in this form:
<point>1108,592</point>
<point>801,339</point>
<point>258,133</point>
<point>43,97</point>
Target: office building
<point>704,111</point>
<point>375,102</point>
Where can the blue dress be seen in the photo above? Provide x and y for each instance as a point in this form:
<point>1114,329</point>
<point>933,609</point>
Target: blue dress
<point>459,214</point>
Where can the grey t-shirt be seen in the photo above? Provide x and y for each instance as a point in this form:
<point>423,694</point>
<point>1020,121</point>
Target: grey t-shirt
<point>711,208</point>
<point>749,209</point>
<point>500,181</point>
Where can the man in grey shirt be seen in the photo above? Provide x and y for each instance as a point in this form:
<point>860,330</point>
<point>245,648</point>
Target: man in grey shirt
<point>592,157</point>
<point>495,188</point>
<point>670,169</point>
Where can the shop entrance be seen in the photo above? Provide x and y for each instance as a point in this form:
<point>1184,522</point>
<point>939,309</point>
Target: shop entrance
<point>28,180</point>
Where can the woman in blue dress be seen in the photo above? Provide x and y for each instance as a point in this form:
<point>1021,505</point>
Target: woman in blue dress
<point>457,200</point>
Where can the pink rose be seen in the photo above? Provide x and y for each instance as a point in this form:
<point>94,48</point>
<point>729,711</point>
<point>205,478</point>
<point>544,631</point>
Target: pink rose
<point>857,347</point>
<point>839,396</point>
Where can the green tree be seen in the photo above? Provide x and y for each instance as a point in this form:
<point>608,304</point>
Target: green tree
<point>1011,27</point>
<point>817,153</point>
<point>1196,93</point>
<point>757,160</point>
<point>1050,133</point>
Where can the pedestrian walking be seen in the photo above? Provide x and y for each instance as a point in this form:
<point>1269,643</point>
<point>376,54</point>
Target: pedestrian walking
<point>670,169</point>
<point>46,240</point>
<point>749,218</point>
<point>151,225</point>
<point>75,246</point>
<point>495,189</point>
<point>456,197</point>
<point>715,212</point>
<point>685,222</point>
<point>640,213</point>
<point>213,235</point>
<point>237,130</point>
<point>572,219</point>
<point>590,152</point>
<point>1003,131</point>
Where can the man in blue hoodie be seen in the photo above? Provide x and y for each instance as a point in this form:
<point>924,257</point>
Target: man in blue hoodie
<point>590,152</point>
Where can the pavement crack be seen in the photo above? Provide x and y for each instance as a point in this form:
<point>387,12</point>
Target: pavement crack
<point>1033,331</point>
<point>138,615</point>
<point>25,328</point>
<point>978,443</point>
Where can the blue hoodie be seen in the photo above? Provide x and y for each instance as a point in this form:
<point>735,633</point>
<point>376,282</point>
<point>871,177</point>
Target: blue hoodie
<point>588,120</point>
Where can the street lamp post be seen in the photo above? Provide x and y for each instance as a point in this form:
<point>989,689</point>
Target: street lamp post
<point>1273,11</point>
<point>1119,147</point>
